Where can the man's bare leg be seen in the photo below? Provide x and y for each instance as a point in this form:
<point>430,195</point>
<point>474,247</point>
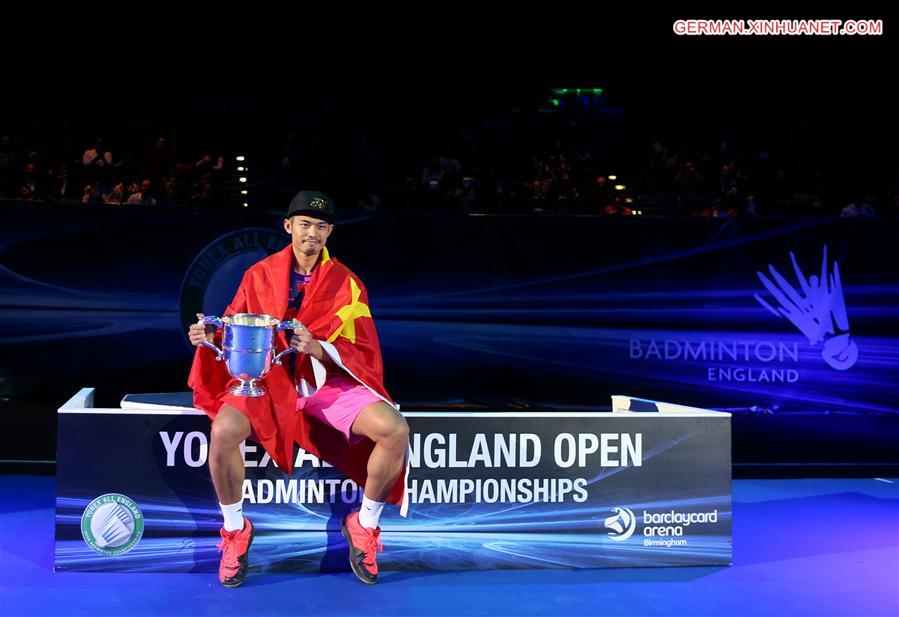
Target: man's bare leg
<point>229,429</point>
<point>388,429</point>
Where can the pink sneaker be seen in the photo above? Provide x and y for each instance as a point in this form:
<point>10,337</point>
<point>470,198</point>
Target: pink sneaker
<point>365,544</point>
<point>235,548</point>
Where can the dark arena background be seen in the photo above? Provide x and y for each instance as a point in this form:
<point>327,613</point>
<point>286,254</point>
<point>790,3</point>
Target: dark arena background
<point>545,215</point>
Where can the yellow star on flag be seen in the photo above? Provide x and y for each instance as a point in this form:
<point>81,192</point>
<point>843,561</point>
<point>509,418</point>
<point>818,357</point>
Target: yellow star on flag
<point>349,314</point>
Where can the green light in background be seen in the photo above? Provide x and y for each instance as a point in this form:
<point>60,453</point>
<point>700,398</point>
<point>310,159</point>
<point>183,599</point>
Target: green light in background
<point>561,92</point>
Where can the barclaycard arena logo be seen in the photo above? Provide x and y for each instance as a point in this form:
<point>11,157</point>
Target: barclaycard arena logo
<point>817,309</point>
<point>214,276</point>
<point>665,529</point>
<point>622,523</point>
<point>112,524</point>
<point>814,305</point>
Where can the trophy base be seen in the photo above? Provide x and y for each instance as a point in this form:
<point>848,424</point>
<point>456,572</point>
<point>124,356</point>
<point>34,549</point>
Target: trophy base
<point>249,388</point>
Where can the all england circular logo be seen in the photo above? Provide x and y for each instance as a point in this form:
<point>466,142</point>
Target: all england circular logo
<point>112,524</point>
<point>215,274</point>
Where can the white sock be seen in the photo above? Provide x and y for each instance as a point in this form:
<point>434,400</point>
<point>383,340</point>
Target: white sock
<point>233,516</point>
<point>370,512</point>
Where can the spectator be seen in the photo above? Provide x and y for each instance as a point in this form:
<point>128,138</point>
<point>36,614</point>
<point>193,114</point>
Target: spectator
<point>432,175</point>
<point>98,156</point>
<point>116,196</point>
<point>157,160</point>
<point>858,209</point>
<point>208,163</point>
<point>92,194</point>
<point>169,190</point>
<point>688,180</point>
<point>728,186</point>
<point>144,196</point>
<point>751,207</point>
<point>26,193</point>
<point>31,186</point>
<point>201,191</point>
<point>716,210</point>
<point>61,188</point>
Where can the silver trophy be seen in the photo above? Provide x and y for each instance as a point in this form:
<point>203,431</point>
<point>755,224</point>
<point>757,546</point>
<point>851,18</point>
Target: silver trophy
<point>248,348</point>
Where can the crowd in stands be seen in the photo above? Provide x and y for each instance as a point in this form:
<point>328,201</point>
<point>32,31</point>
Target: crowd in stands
<point>118,173</point>
<point>564,165</point>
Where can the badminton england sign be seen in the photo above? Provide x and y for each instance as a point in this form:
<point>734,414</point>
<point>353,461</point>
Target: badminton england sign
<point>814,305</point>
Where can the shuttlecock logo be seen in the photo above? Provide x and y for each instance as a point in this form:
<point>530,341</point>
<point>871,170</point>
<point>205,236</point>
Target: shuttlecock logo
<point>817,309</point>
<point>622,523</point>
<point>112,524</point>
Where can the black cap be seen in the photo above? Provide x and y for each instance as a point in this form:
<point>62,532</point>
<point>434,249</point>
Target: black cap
<point>312,203</point>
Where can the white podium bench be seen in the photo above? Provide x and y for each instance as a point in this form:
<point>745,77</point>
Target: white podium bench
<point>646,484</point>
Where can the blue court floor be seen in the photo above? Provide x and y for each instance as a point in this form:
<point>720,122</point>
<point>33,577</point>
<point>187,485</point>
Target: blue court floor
<point>801,547</point>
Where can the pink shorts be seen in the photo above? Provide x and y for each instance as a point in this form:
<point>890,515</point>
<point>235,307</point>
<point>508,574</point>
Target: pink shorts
<point>338,402</point>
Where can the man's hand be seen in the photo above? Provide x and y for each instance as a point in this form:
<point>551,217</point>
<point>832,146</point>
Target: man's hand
<point>303,342</point>
<point>198,333</point>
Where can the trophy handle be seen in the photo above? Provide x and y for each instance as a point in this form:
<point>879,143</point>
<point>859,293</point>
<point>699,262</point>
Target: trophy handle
<point>290,324</point>
<point>277,359</point>
<point>212,320</point>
